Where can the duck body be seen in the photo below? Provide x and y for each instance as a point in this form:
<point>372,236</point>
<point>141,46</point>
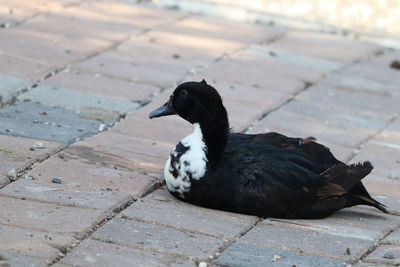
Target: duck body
<point>266,175</point>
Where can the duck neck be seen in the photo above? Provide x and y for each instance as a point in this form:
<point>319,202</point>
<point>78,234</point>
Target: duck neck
<point>215,132</point>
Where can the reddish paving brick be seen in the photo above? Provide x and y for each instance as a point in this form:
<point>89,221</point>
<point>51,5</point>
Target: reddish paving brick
<point>150,236</point>
<point>18,153</point>
<point>100,254</point>
<point>23,68</point>
<point>47,47</point>
<point>241,115</point>
<point>355,222</point>
<point>382,185</point>
<point>285,122</point>
<point>102,85</point>
<point>299,72</point>
<point>92,172</point>
<point>250,75</point>
<point>385,158</point>
<point>168,130</point>
<point>352,101</point>
<point>324,112</point>
<point>47,217</point>
<point>326,46</point>
<point>65,195</point>
<point>307,240</point>
<point>248,94</point>
<point>135,60</point>
<point>162,208</point>
<point>223,29</point>
<point>32,243</point>
<point>124,151</point>
<point>361,84</point>
<point>213,36</point>
<point>385,254</point>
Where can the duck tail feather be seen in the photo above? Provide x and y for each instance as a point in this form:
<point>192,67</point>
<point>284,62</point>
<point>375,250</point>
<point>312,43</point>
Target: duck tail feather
<point>347,176</point>
<point>372,202</point>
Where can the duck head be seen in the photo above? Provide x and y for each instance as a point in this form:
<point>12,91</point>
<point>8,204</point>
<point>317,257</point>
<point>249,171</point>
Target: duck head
<point>199,103</point>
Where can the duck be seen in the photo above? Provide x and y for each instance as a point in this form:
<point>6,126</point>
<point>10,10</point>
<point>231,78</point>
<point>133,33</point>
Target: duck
<point>265,175</point>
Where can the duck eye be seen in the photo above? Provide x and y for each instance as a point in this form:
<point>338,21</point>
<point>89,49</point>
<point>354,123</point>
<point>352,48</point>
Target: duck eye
<point>183,93</point>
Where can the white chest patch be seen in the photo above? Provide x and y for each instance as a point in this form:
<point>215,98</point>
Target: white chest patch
<point>186,162</point>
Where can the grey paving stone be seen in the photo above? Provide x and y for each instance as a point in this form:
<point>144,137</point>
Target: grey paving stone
<point>87,105</point>
<point>242,254</point>
<point>309,61</point>
<point>10,85</point>
<point>160,238</point>
<point>63,194</point>
<point>353,222</point>
<point>392,239</point>
<point>385,254</point>
<point>38,121</point>
<point>160,207</point>
<point>32,243</point>
<point>8,259</point>
<point>308,240</point>
<point>93,253</point>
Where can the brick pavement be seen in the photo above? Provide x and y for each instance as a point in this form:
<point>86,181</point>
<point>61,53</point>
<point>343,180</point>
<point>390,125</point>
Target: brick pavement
<point>81,165</point>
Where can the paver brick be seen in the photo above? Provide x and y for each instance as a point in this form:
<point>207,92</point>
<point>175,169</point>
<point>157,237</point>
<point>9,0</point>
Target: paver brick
<point>391,135</point>
<point>361,84</point>
<point>385,158</point>
<point>324,112</point>
<point>102,85</point>
<point>392,238</point>
<point>307,240</point>
<point>39,121</point>
<point>319,65</point>
<point>248,94</point>
<point>135,60</point>
<point>352,223</point>
<point>124,151</point>
<point>382,185</point>
<point>92,172</point>
<point>160,207</point>
<point>325,46</point>
<point>18,153</point>
<point>167,130</point>
<point>65,195</point>
<point>23,68</point>
<point>283,122</point>
<point>241,254</point>
<point>88,106</point>
<point>16,260</point>
<point>250,75</point>
<point>46,47</point>
<point>351,100</point>
<point>381,255</point>
<point>47,217</point>
<point>150,236</point>
<point>100,254</point>
<point>32,243</point>
<point>9,86</point>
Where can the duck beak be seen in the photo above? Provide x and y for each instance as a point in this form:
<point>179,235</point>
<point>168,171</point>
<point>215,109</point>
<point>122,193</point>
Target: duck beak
<point>164,110</point>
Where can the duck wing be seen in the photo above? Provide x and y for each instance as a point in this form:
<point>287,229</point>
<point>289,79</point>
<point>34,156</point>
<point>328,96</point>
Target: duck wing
<point>295,177</point>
